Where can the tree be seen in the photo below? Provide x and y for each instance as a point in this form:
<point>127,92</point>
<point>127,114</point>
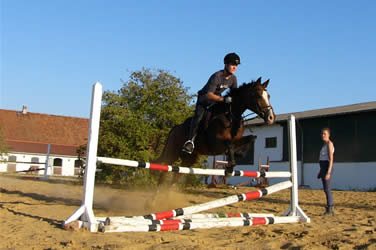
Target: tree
<point>136,119</point>
<point>81,160</point>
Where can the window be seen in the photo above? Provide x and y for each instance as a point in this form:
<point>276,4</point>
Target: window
<point>12,158</point>
<point>35,160</point>
<point>58,162</point>
<point>271,142</point>
<point>78,163</point>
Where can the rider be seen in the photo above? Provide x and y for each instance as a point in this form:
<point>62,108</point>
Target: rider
<point>211,93</point>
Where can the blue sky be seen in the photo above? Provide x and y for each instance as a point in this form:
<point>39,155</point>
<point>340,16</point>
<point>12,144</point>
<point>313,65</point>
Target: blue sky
<point>316,53</point>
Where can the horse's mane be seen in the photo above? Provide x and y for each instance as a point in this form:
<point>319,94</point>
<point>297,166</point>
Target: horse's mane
<point>244,87</point>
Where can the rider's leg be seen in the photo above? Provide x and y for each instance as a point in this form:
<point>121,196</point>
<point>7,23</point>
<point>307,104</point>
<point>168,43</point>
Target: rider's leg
<point>188,146</point>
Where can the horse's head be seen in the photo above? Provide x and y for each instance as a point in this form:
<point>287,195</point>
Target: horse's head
<point>255,97</point>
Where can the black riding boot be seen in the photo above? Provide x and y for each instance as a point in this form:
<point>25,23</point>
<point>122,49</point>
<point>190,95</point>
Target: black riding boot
<point>189,145</point>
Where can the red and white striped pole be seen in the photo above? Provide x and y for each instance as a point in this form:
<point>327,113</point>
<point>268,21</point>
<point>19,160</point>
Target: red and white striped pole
<point>130,219</point>
<point>196,171</point>
<point>230,222</point>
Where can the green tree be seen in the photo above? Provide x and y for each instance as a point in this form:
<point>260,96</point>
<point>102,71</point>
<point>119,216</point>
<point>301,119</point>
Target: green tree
<point>136,119</point>
<point>81,159</point>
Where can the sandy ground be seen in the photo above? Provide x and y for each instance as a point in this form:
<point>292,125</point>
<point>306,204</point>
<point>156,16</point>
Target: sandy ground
<point>32,213</point>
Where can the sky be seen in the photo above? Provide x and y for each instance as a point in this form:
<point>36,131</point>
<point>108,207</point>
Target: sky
<point>317,54</point>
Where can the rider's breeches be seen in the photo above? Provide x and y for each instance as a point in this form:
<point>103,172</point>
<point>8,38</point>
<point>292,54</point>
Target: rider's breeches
<point>199,113</point>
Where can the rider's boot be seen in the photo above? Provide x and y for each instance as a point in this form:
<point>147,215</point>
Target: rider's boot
<point>189,145</point>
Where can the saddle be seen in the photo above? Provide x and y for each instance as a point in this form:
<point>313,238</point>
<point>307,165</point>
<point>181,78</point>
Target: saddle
<point>211,113</point>
<point>206,119</point>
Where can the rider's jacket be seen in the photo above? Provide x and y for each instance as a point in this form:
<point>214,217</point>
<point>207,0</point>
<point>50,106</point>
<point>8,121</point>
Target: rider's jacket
<point>217,83</point>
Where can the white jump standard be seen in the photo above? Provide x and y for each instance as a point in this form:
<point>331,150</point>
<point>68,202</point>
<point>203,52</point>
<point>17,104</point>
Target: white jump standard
<point>188,217</point>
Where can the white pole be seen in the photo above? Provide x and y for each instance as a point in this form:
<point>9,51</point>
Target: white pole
<point>293,164</point>
<point>86,209</point>
<point>46,176</point>
<point>91,151</point>
<point>294,209</point>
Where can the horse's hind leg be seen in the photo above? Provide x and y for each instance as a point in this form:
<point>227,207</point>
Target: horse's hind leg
<point>162,179</point>
<point>187,161</point>
<point>175,179</point>
<point>170,154</point>
<point>243,145</point>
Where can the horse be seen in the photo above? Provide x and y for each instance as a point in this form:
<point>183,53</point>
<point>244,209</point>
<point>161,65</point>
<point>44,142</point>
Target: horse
<point>222,133</point>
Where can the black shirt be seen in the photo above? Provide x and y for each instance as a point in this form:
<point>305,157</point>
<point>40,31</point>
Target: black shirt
<point>217,83</point>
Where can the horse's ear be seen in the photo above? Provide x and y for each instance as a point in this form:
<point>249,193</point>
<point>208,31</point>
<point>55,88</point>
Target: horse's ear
<point>265,84</point>
<point>258,80</point>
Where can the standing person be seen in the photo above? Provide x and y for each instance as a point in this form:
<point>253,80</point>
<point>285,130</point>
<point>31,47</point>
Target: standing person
<point>211,93</point>
<point>326,169</point>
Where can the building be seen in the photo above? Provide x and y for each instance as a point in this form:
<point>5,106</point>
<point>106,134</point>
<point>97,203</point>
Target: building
<point>353,134</point>
<point>28,135</point>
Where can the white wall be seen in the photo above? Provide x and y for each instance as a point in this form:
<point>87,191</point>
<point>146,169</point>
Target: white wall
<point>67,169</point>
<point>275,154</point>
<point>346,176</point>
<point>68,166</point>
<point>24,158</point>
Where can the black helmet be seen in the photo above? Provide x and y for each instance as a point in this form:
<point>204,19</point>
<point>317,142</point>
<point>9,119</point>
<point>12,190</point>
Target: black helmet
<point>232,58</point>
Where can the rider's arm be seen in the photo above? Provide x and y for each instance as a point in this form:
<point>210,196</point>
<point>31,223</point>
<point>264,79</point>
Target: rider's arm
<point>213,97</point>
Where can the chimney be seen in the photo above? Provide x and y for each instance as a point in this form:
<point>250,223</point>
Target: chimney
<point>24,109</point>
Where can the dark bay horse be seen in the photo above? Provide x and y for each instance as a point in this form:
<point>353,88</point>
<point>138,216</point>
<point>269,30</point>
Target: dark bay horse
<point>223,132</point>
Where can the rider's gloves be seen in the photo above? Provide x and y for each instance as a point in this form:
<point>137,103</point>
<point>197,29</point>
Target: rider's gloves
<point>228,99</point>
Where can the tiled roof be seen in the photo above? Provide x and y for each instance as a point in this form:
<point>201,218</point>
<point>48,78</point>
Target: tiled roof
<point>31,132</point>
<point>339,110</point>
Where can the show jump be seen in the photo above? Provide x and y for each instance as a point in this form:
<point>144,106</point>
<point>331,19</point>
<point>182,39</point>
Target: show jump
<point>188,217</point>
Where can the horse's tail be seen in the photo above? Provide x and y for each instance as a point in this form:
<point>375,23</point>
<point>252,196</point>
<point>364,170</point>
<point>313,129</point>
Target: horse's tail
<point>175,140</point>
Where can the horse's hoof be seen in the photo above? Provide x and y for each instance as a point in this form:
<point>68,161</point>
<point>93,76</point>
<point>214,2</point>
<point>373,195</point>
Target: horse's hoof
<point>228,171</point>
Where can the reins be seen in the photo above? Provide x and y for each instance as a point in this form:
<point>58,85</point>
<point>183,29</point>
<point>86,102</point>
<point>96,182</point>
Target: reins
<point>230,116</point>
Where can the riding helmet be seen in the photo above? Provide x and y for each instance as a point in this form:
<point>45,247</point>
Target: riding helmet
<point>232,58</point>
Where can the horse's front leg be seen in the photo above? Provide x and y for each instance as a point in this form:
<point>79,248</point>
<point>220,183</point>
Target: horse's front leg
<point>230,158</point>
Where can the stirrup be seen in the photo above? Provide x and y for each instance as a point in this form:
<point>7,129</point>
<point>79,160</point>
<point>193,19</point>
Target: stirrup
<point>188,147</point>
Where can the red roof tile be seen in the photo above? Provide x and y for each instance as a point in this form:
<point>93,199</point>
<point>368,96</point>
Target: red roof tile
<point>31,132</point>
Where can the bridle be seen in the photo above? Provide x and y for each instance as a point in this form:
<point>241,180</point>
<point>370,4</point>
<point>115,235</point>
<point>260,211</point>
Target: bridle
<point>260,112</point>
<point>263,112</point>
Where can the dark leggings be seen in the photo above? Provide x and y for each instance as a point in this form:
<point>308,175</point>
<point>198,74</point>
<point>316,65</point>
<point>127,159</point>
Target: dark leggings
<point>324,166</point>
